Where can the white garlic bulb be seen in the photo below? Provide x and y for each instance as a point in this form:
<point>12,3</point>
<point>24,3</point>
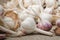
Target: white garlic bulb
<point>50,3</point>
<point>24,15</point>
<point>36,9</point>
<point>9,21</point>
<point>45,16</point>
<point>48,10</point>
<point>28,25</point>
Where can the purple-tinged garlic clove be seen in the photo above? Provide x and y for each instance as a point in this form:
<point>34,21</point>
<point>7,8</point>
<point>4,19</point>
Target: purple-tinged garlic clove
<point>45,25</point>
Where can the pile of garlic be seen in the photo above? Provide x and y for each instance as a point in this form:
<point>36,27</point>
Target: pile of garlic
<point>46,13</point>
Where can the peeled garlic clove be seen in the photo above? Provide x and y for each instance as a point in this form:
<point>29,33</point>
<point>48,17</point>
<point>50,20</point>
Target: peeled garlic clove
<point>46,16</point>
<point>28,25</point>
<point>1,10</point>
<point>9,21</point>
<point>58,22</point>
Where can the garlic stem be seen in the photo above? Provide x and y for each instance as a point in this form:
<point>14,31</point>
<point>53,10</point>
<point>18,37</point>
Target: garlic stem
<point>43,32</point>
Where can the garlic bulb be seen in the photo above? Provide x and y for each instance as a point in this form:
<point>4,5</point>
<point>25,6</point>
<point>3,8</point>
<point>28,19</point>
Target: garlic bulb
<point>9,21</point>
<point>50,3</point>
<point>38,2</point>
<point>36,9</point>
<point>28,25</point>
<point>24,15</point>
<point>48,10</point>
<point>46,16</point>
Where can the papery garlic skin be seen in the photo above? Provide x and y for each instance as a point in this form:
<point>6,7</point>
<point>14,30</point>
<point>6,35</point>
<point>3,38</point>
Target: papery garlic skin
<point>9,21</point>
<point>28,25</point>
